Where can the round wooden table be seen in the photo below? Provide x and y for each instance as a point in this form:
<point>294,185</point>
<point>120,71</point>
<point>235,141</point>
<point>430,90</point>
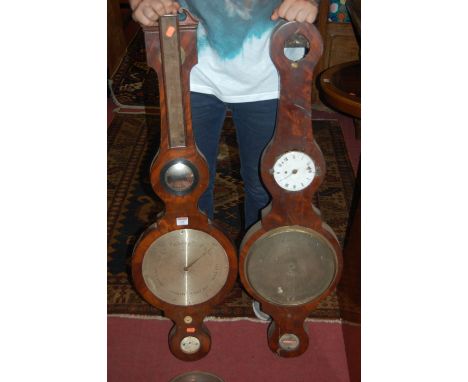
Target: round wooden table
<point>341,88</point>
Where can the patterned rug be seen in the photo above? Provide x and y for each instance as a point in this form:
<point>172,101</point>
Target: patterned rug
<point>132,205</point>
<point>134,86</point>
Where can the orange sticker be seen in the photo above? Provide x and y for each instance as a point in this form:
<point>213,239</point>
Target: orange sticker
<point>190,330</point>
<point>170,31</point>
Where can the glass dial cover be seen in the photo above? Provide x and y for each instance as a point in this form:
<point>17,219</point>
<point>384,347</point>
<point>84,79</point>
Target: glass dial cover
<point>291,265</point>
<point>185,267</point>
<point>179,177</point>
<point>294,170</point>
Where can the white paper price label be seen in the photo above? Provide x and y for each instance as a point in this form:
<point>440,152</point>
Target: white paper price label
<point>182,221</point>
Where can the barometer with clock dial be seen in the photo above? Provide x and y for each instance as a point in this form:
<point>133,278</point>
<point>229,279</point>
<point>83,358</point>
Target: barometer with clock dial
<point>291,260</point>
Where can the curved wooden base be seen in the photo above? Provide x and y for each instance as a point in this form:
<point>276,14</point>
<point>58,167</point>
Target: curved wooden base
<point>181,330</point>
<point>285,319</point>
<point>279,329</point>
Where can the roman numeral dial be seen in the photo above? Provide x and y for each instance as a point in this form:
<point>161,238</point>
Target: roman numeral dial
<point>294,171</point>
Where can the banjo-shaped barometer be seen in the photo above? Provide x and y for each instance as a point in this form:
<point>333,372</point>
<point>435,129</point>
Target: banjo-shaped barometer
<point>182,264</point>
<point>290,260</point>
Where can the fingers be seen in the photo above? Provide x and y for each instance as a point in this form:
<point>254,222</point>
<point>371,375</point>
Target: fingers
<point>140,17</point>
<point>275,15</point>
<point>148,12</point>
<point>310,18</point>
<point>170,7</point>
<point>296,10</point>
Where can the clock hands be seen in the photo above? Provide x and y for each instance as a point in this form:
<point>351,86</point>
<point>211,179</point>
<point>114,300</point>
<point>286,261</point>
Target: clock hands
<point>293,172</point>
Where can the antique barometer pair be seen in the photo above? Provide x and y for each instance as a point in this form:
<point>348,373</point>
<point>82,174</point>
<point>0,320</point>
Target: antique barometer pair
<point>290,260</point>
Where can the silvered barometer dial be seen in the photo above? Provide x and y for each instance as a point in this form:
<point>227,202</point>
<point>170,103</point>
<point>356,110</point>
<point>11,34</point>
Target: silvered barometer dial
<point>185,267</point>
<point>294,170</point>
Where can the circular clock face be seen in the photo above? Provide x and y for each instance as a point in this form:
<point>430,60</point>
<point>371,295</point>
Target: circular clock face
<point>190,345</point>
<point>185,267</point>
<point>179,176</point>
<point>294,171</point>
<point>291,265</point>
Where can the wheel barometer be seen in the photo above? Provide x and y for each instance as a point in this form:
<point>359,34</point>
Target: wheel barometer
<point>182,264</point>
<point>291,260</point>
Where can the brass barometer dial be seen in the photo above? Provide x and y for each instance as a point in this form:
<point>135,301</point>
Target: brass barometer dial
<point>291,265</point>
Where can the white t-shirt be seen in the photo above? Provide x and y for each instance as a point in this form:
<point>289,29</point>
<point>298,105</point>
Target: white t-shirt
<point>234,62</point>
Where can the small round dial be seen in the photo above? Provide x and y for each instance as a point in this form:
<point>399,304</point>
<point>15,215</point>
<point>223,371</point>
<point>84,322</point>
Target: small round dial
<point>294,171</point>
<point>185,267</point>
<point>190,345</point>
<point>179,177</point>
<point>289,342</point>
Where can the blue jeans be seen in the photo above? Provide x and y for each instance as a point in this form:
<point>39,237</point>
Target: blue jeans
<point>255,125</point>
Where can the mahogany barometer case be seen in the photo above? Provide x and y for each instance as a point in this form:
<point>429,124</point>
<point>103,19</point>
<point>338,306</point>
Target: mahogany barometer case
<point>182,264</point>
<point>291,260</point>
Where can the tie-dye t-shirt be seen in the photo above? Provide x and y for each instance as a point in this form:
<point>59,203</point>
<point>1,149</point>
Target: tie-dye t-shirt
<point>233,49</point>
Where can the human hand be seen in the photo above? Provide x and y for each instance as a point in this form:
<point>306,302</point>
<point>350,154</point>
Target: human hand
<point>147,12</point>
<point>296,10</point>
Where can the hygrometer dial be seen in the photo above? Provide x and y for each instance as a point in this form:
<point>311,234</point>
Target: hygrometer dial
<point>289,342</point>
<point>294,170</point>
<point>185,267</point>
<point>190,345</point>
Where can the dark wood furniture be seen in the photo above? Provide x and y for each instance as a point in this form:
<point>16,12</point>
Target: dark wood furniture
<point>116,42</point>
<point>340,83</point>
<point>340,88</point>
<point>339,44</point>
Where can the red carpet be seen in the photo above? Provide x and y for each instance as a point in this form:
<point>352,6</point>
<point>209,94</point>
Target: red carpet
<point>137,352</point>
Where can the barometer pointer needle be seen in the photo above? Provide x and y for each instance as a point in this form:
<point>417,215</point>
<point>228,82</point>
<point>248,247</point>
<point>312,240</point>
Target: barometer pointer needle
<point>193,262</point>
